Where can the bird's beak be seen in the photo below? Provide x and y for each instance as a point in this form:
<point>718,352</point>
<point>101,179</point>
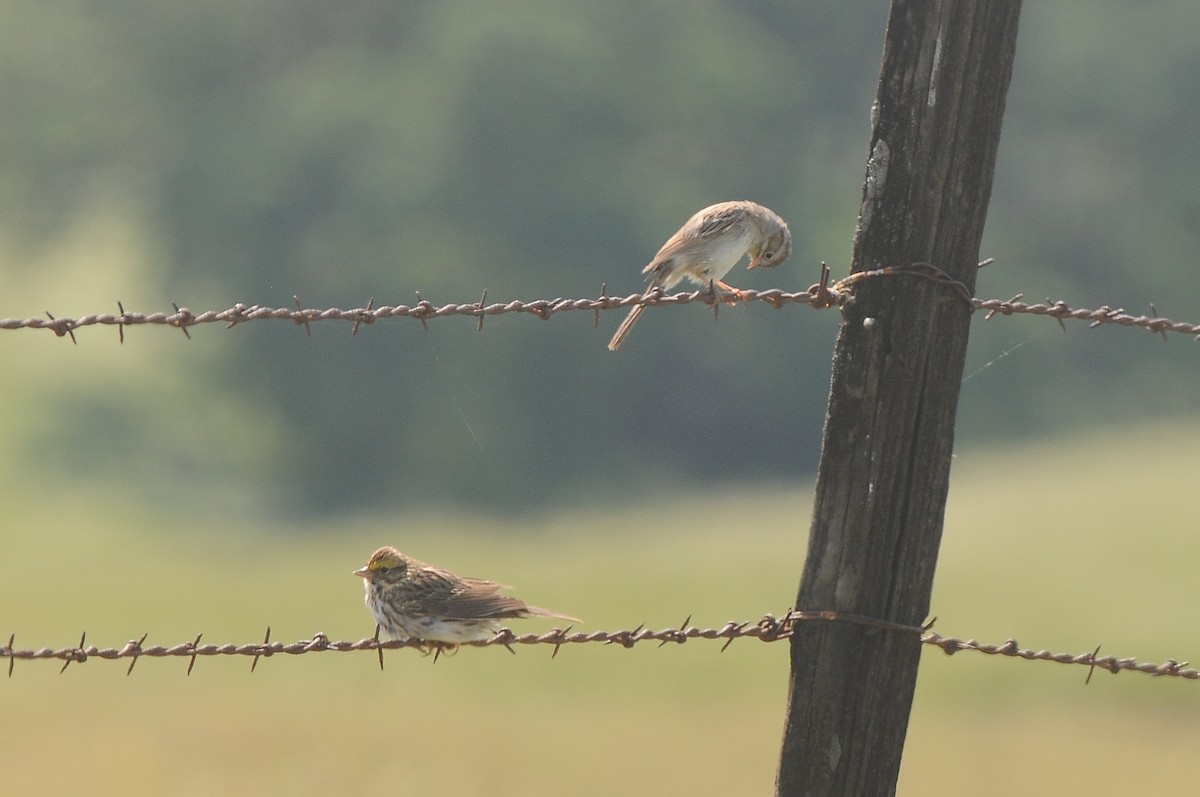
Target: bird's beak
<point>361,572</point>
<point>755,262</point>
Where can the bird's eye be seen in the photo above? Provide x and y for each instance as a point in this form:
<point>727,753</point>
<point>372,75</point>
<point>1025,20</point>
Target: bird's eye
<point>383,571</point>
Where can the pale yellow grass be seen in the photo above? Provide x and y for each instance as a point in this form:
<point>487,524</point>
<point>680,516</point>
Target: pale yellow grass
<point>1062,545</point>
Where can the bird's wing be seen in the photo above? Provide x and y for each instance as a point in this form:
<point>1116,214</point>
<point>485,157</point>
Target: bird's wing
<point>474,598</point>
<point>708,223</point>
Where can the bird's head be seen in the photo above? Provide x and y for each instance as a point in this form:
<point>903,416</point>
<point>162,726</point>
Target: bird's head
<point>386,564</point>
<point>775,248</point>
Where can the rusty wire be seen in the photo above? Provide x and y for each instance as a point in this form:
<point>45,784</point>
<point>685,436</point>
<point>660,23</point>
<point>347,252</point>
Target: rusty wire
<point>1092,659</point>
<point>423,310</point>
<point>767,629</point>
<point>821,295</point>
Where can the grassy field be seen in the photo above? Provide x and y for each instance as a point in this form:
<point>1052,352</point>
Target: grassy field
<point>1063,545</point>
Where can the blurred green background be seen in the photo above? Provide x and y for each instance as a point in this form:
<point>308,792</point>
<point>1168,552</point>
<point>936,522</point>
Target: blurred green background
<point>218,152</point>
<point>214,153</point>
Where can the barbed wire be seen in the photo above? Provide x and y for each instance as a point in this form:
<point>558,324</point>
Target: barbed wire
<point>1092,660</point>
<point>821,295</point>
<point>767,629</point>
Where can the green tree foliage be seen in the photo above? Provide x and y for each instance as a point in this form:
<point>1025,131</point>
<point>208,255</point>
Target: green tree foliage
<point>346,151</point>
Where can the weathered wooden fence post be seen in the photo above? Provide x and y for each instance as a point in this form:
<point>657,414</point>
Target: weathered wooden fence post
<point>885,461</point>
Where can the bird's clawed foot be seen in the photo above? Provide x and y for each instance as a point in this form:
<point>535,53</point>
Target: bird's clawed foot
<point>738,294</point>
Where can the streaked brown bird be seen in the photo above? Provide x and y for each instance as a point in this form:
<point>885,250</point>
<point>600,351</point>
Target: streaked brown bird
<point>412,599</point>
<point>711,243</point>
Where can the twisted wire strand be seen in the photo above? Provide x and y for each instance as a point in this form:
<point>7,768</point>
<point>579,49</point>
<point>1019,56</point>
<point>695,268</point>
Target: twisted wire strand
<point>767,629</point>
<point>819,296</point>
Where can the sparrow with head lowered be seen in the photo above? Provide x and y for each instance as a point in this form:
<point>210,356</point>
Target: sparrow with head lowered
<point>711,243</point>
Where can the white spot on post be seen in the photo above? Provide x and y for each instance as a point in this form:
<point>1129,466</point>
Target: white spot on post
<point>934,71</point>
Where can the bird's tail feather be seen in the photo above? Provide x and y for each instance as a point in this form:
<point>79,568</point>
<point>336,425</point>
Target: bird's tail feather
<point>540,612</point>
<point>619,337</point>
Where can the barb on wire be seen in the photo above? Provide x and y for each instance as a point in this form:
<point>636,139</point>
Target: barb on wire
<point>77,654</point>
<point>767,629</point>
<point>134,650</point>
<point>266,649</point>
<point>182,318</point>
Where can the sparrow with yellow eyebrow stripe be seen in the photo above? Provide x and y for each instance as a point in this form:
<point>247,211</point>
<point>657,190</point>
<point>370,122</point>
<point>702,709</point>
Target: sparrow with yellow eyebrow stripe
<point>412,599</point>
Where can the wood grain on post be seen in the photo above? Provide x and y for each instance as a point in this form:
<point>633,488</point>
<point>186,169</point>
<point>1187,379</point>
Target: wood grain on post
<point>889,432</point>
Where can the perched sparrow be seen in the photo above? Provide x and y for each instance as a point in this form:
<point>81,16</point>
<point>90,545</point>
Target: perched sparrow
<point>413,599</point>
<point>708,245</point>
